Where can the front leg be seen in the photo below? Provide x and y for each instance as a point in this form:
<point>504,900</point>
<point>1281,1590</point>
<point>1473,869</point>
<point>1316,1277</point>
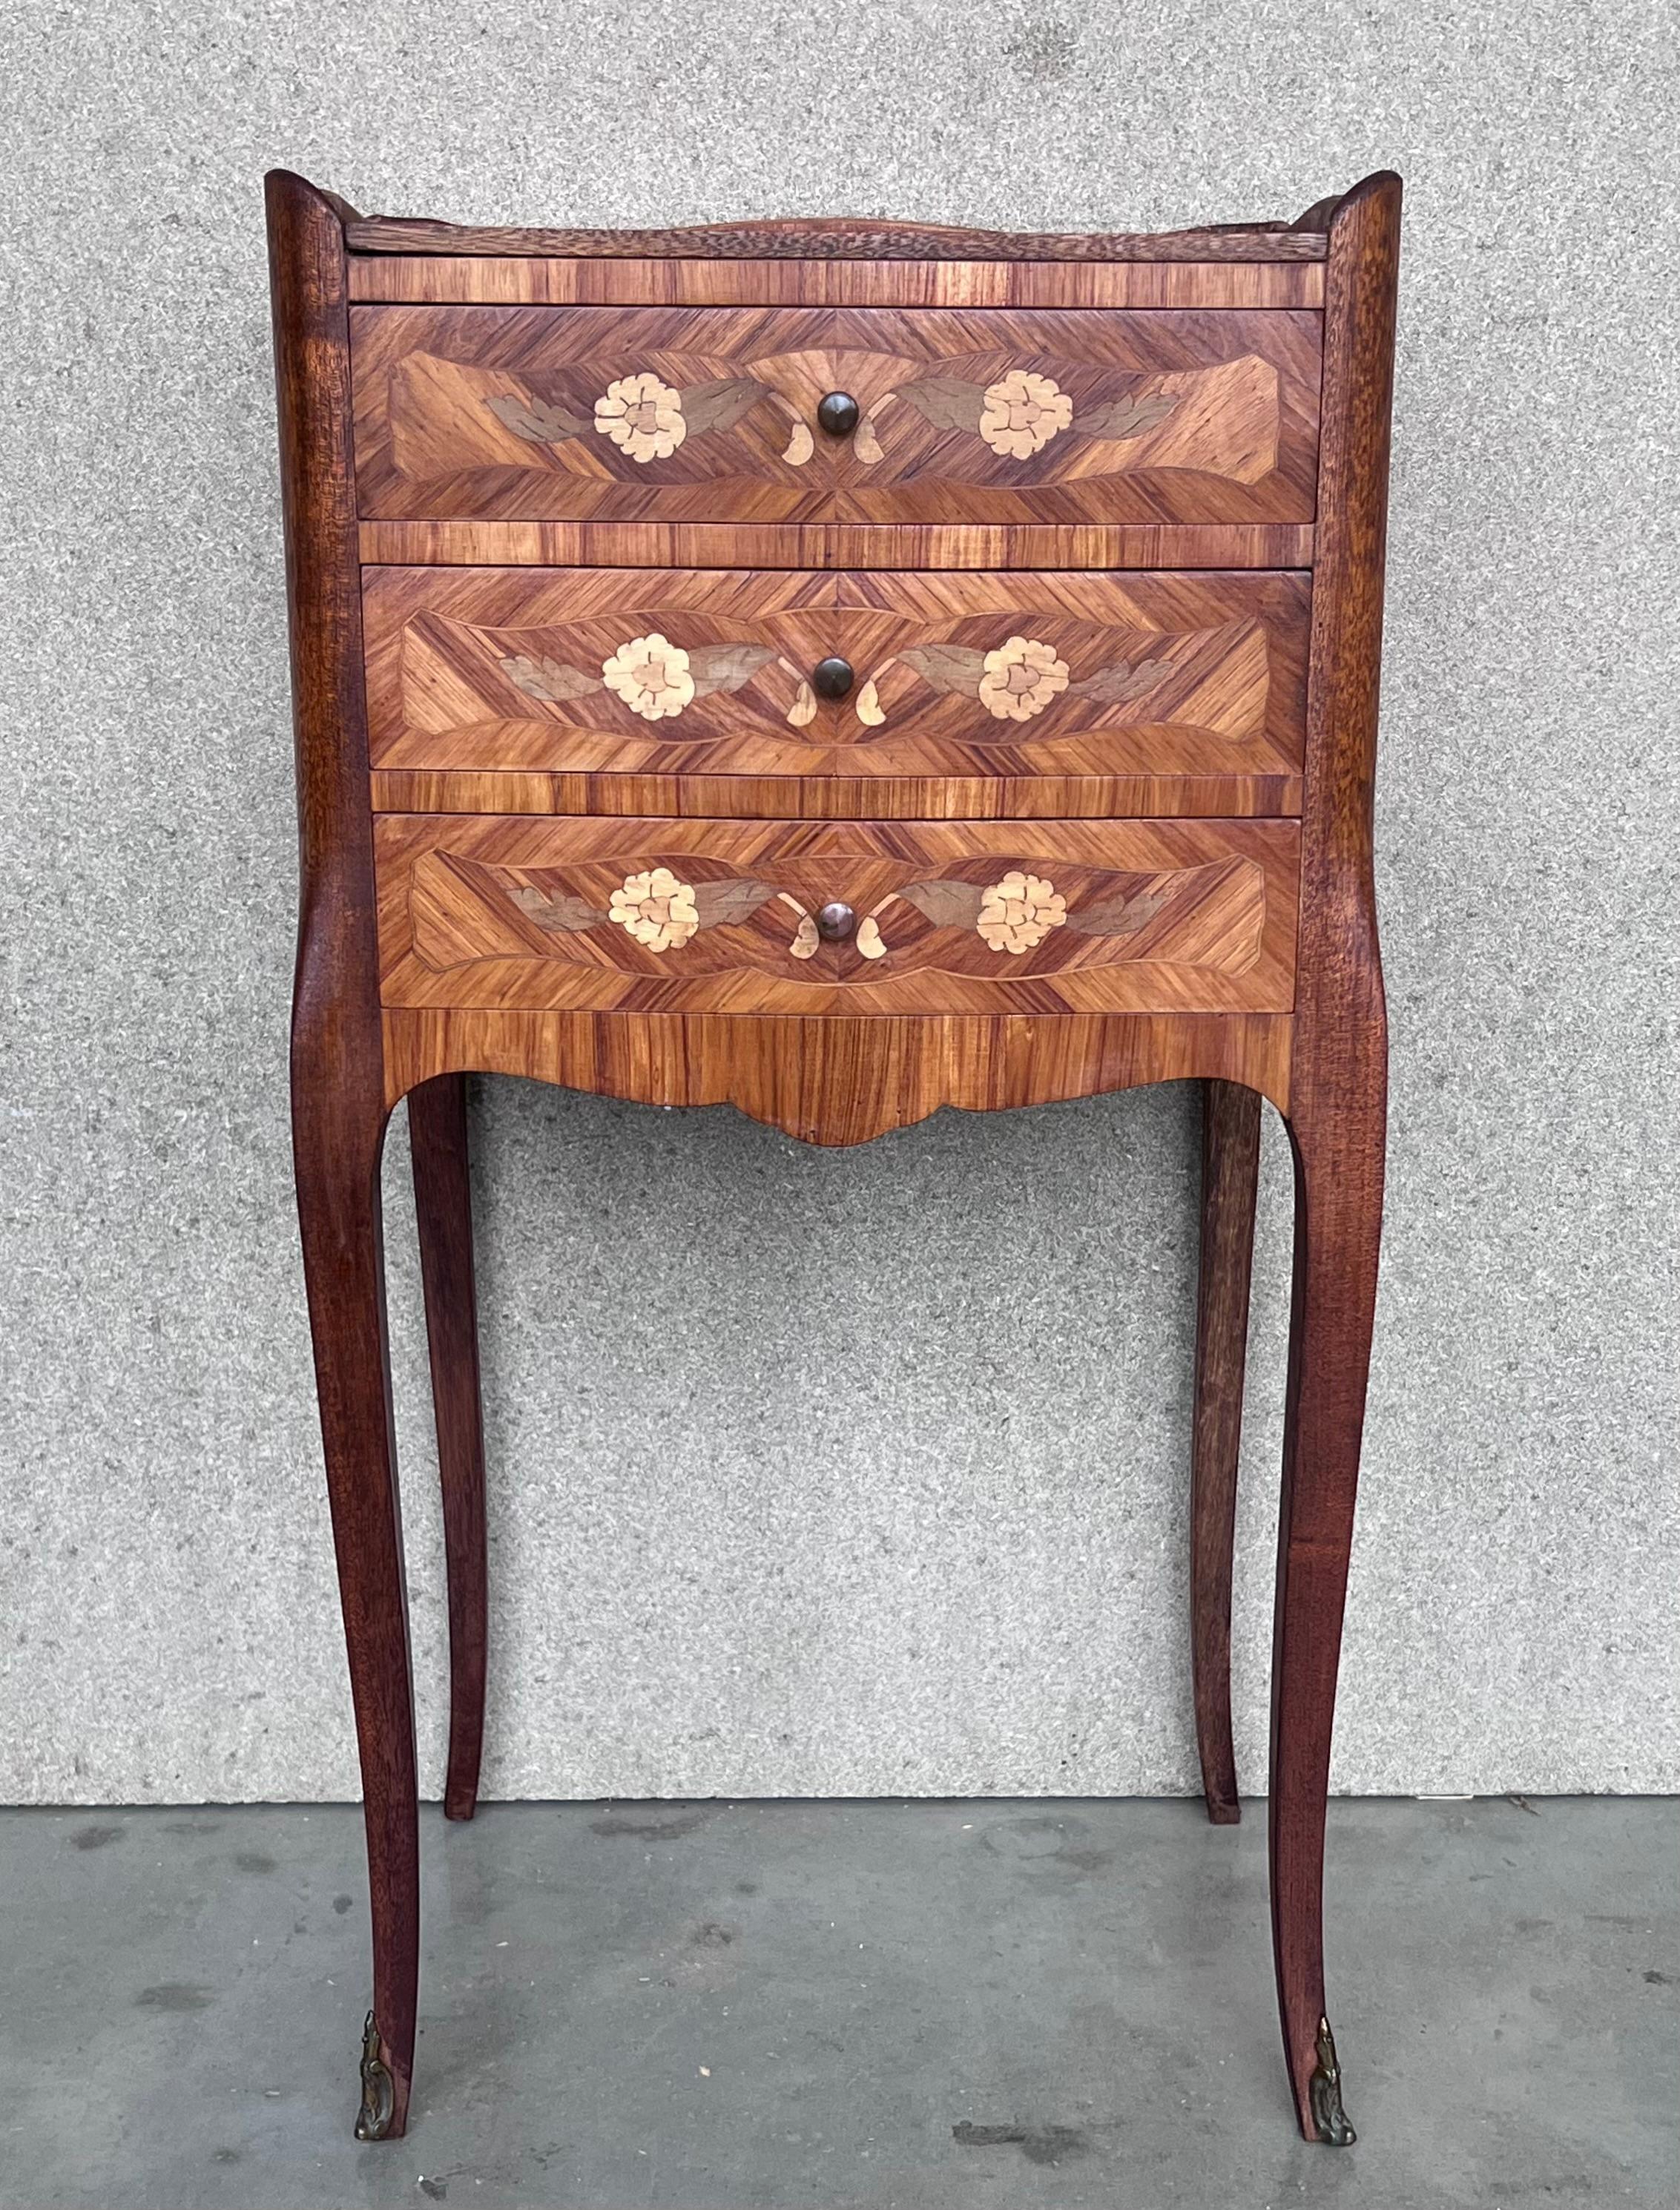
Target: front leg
<point>338,1107</point>
<point>338,1140</point>
<point>1338,1165</point>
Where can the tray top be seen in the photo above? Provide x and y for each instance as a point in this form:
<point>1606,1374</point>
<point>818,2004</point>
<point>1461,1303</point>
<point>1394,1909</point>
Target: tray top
<point>847,239</point>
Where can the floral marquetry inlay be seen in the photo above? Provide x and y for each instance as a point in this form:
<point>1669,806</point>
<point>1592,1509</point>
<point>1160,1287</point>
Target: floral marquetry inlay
<point>1019,912</point>
<point>654,678</point>
<point>1016,680</point>
<point>1020,678</point>
<point>642,416</point>
<point>1021,413</point>
<point>651,675</point>
<point>647,418</point>
<point>1010,915</point>
<point>1016,415</point>
<point>656,909</point>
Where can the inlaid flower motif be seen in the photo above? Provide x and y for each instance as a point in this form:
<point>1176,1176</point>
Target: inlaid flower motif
<point>657,909</point>
<point>651,675</point>
<point>1019,912</point>
<point>1022,412</point>
<point>642,416</point>
<point>1020,678</point>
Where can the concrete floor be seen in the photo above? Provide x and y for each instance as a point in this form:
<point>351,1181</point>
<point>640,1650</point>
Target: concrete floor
<point>783,2004</point>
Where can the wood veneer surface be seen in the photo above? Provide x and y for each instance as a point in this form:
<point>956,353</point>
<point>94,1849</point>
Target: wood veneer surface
<point>703,677</point>
<point>952,917</point>
<point>519,413</point>
<point>838,1081</point>
<point>836,544</point>
<point>502,279</point>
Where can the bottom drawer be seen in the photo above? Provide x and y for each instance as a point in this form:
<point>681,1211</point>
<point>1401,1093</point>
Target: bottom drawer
<point>707,916</point>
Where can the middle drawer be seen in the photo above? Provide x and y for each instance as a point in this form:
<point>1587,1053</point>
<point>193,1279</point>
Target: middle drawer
<point>760,694</point>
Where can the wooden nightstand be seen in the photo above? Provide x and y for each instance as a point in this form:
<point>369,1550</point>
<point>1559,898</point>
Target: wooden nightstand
<point>839,670</point>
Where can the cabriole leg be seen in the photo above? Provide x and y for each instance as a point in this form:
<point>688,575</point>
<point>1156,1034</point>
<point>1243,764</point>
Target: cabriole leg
<point>443,1205</point>
<point>338,1145</point>
<point>1337,1227</point>
<point>1230,1181</point>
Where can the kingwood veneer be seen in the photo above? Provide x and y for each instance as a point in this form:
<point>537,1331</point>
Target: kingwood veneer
<point>839,670</point>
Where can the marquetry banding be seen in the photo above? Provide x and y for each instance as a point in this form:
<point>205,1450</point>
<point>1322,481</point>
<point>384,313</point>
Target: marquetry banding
<point>833,545</point>
<point>506,280</point>
<point>842,798</point>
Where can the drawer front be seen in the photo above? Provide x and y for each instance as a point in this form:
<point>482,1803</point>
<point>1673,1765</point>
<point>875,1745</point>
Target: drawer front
<point>684,916</point>
<point>1193,681</point>
<point>711,414</point>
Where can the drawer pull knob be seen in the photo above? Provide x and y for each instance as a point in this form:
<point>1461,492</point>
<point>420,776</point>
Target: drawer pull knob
<point>835,923</point>
<point>838,413</point>
<point>832,678</point>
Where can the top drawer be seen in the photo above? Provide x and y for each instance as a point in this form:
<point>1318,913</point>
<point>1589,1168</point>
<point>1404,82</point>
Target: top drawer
<point>710,415</point>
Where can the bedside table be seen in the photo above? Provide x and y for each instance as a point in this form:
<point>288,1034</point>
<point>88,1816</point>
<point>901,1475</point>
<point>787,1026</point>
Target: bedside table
<point>839,670</point>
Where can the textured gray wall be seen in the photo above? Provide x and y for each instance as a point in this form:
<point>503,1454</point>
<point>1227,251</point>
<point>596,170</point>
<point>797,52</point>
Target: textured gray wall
<point>861,1472</point>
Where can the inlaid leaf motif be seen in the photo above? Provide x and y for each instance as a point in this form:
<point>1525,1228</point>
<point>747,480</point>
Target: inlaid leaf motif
<point>561,912</point>
<point>720,405</point>
<point>947,905</point>
<point>551,680</point>
<point>947,666</point>
<point>948,402</point>
<point>725,667</point>
<point>803,712</point>
<point>1116,916</point>
<point>538,420</point>
<point>865,444</point>
<point>1124,417</point>
<point>720,905</point>
<point>1114,687</point>
<point>805,938</point>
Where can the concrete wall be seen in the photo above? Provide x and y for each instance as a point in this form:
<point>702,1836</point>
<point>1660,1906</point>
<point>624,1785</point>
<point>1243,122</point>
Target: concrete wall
<point>864,1472</point>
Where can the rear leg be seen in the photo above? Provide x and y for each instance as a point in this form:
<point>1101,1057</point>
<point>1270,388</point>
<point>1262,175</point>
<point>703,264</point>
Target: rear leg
<point>1230,1183</point>
<point>443,1207</point>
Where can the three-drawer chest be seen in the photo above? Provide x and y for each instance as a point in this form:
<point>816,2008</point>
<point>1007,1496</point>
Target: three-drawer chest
<point>839,669</point>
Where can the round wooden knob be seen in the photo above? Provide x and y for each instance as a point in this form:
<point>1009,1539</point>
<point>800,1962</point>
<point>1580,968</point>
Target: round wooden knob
<point>838,413</point>
<point>835,922</point>
<point>831,679</point>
